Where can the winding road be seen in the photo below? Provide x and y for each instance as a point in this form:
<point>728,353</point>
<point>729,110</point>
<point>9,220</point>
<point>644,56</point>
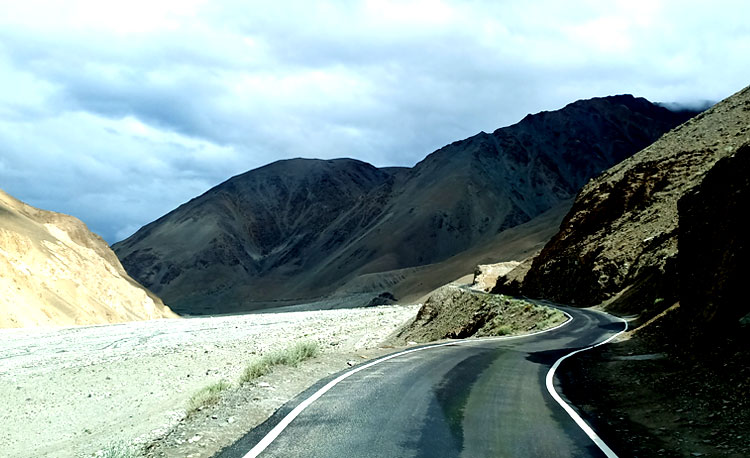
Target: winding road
<point>470,398</point>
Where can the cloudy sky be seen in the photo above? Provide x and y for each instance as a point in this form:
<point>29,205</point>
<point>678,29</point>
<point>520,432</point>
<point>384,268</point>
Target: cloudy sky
<point>117,112</point>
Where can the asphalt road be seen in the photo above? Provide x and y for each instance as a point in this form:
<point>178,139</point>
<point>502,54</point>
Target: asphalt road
<point>481,398</point>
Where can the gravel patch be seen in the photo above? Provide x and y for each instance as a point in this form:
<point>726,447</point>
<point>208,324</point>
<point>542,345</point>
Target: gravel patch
<point>68,392</point>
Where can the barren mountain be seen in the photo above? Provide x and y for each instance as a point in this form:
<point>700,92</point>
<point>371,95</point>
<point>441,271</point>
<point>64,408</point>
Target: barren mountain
<point>619,243</point>
<point>320,226</point>
<point>53,271</point>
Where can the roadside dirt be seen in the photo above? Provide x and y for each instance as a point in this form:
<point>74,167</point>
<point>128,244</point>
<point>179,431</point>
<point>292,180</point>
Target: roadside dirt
<point>651,400</point>
<point>242,408</point>
<point>68,392</point>
<point>455,312</point>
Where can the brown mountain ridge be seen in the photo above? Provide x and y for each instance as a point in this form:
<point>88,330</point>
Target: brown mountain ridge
<point>301,229</point>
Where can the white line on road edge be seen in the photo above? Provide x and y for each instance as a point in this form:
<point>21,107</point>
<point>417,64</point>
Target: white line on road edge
<point>281,426</point>
<point>573,414</point>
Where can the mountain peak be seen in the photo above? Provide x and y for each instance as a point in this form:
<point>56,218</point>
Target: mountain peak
<point>316,226</point>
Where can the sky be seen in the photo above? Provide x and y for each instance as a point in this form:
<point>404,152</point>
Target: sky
<point>118,112</point>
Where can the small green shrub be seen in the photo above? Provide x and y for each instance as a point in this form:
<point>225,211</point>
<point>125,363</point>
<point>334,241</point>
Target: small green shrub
<point>207,396</point>
<point>504,330</point>
<point>117,450</point>
<point>291,356</point>
<point>256,368</point>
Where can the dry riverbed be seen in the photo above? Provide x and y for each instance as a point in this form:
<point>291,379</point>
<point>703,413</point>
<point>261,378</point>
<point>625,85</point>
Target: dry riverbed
<point>70,392</point>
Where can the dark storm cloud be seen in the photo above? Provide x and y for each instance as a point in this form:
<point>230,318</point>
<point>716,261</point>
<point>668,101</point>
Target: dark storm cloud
<point>119,112</point>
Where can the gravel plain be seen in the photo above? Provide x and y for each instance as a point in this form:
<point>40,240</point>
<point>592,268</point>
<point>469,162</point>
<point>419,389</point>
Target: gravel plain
<point>69,392</point>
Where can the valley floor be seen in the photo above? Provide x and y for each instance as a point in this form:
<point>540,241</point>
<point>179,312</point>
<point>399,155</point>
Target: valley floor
<point>72,391</point>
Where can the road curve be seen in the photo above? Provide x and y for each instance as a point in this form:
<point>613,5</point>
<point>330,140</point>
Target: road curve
<point>473,398</point>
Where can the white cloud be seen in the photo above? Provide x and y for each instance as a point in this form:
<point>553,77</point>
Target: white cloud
<point>141,105</point>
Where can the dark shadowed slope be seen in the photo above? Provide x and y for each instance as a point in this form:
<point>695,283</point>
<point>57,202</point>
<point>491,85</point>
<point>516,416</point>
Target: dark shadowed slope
<point>274,222</point>
<point>305,228</point>
<point>714,243</point>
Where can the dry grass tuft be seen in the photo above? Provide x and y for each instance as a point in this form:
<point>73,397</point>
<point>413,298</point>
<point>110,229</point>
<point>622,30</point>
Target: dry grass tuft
<point>207,396</point>
<point>291,356</point>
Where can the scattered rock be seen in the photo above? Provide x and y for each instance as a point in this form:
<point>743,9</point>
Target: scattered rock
<point>384,298</point>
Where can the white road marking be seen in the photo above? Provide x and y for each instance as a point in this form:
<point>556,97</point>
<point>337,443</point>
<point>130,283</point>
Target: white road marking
<point>281,426</point>
<point>573,414</point>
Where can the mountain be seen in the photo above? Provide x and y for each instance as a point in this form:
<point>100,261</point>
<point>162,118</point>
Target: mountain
<point>662,238</point>
<point>658,227</point>
<point>56,272</point>
<point>301,229</point>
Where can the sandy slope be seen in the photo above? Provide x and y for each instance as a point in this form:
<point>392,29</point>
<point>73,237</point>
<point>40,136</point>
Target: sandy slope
<point>68,391</point>
<point>54,271</point>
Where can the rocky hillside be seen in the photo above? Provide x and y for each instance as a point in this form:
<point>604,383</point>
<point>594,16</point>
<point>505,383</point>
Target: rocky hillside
<point>320,226</point>
<point>662,236</point>
<point>53,271</point>
<point>455,313</point>
<point>619,243</point>
<point>256,231</point>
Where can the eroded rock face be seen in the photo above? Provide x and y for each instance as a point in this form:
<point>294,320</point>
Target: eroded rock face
<point>713,243</point>
<point>53,271</point>
<point>486,275</point>
<point>511,282</point>
<point>619,242</point>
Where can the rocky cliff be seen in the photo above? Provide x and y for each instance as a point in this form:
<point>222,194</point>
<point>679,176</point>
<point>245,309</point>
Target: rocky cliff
<point>53,271</point>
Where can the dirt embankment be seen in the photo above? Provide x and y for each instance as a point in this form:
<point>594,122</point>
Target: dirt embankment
<point>649,400</point>
<point>453,312</point>
<point>486,275</point>
<point>679,386</point>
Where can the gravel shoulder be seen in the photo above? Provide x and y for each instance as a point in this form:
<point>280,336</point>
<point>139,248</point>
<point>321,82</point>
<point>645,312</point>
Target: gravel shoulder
<point>648,399</point>
<point>68,392</point>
